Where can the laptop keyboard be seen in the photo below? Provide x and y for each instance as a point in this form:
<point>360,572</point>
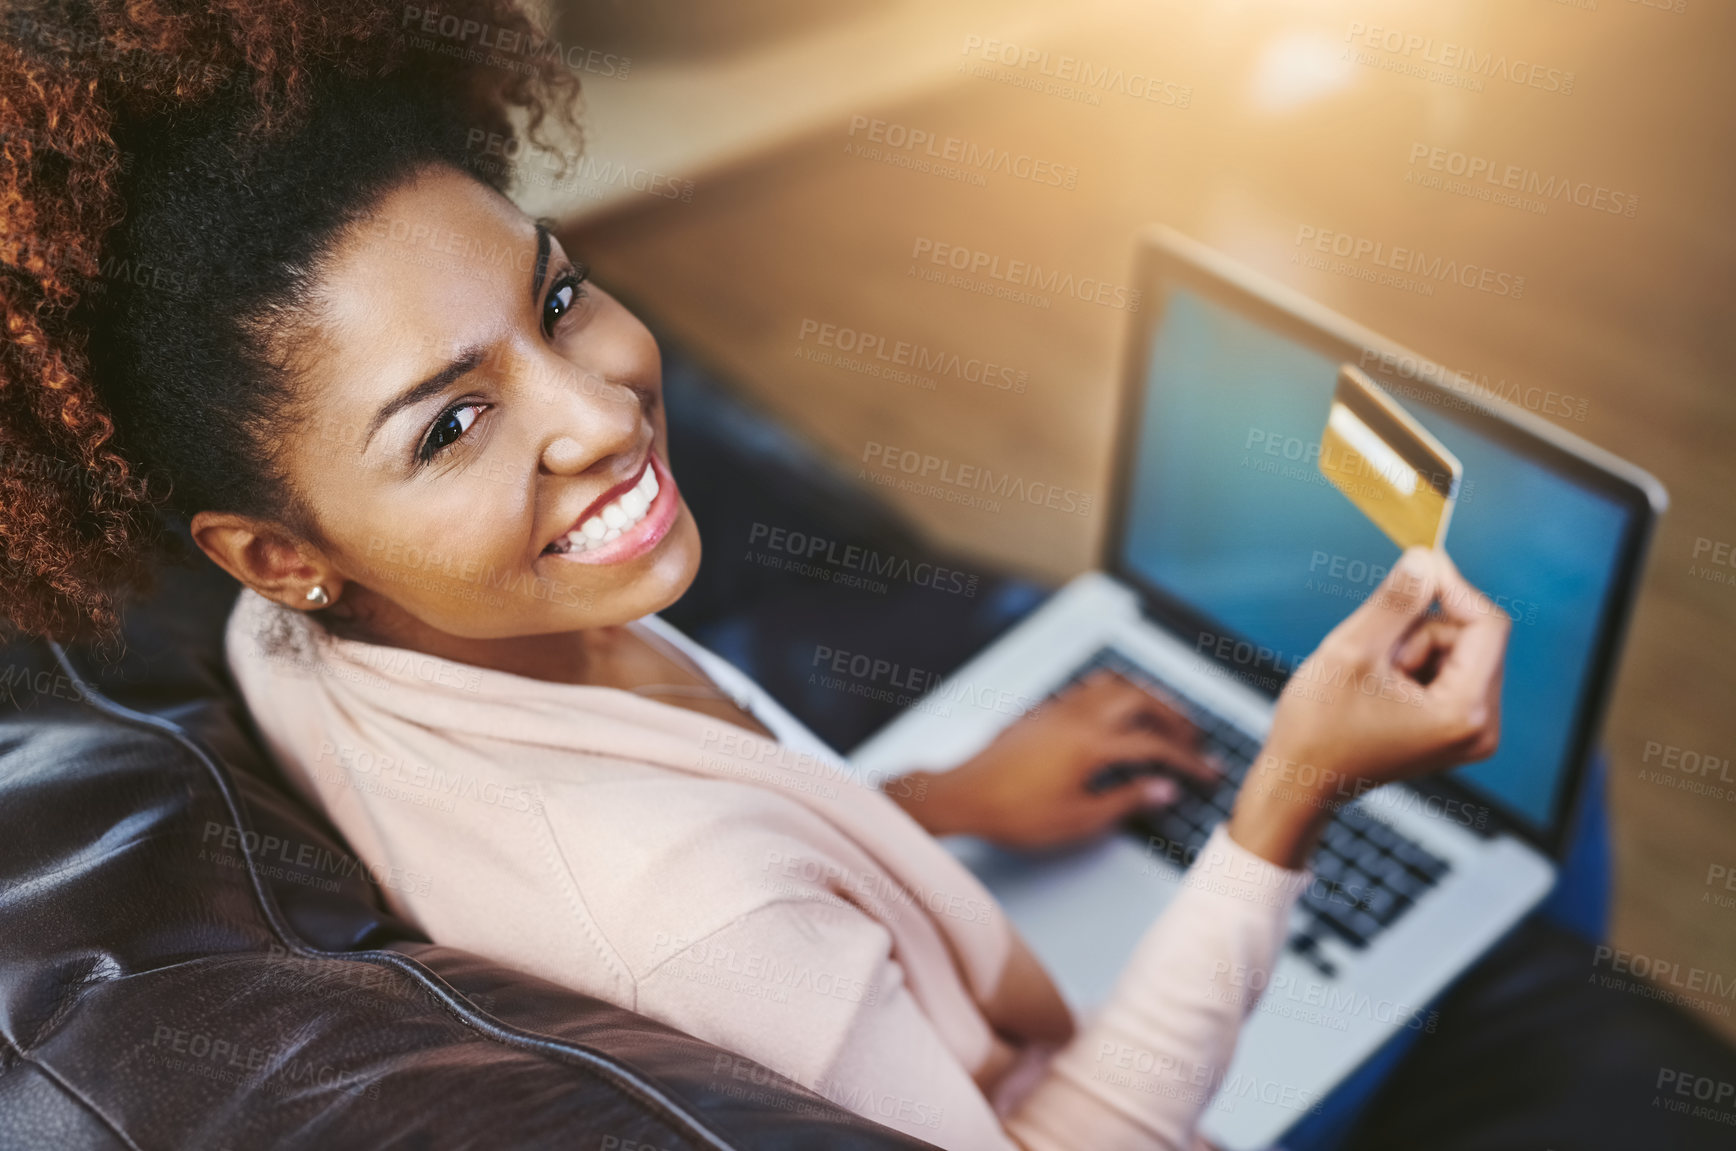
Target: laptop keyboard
<point>1367,874</point>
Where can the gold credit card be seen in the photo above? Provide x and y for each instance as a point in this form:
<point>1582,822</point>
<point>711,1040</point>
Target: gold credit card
<point>1387,464</point>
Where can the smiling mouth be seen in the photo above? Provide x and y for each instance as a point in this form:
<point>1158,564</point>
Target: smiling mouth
<point>615,518</point>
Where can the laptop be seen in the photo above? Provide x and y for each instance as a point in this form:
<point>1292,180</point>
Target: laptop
<point>1226,559</point>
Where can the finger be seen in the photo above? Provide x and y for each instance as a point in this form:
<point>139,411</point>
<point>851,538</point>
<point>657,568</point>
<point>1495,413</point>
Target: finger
<point>1460,601</point>
<point>1147,707</point>
<point>1111,807</point>
<point>1088,693</point>
<point>1118,702</point>
<point>1471,668</point>
<point>1149,747</point>
<point>1420,645</point>
<point>1400,600</point>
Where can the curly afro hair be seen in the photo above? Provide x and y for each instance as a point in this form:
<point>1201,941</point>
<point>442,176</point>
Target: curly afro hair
<point>171,175</point>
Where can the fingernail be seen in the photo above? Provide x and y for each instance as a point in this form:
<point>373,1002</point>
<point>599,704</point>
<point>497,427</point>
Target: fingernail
<point>1160,791</point>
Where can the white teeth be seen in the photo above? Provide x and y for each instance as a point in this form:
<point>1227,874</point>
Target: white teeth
<point>615,517</point>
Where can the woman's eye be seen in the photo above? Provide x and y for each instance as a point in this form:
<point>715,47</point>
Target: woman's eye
<point>452,423</point>
<point>562,298</point>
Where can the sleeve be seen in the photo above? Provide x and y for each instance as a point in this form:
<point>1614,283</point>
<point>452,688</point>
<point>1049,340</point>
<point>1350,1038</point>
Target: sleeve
<point>1143,1071</point>
<point>812,990</point>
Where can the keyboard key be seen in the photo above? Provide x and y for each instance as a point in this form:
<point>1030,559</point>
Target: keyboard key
<point>1408,884</point>
<point>1306,947</point>
<point>1384,834</point>
<point>1343,931</point>
<point>1386,905</point>
<point>1371,857</point>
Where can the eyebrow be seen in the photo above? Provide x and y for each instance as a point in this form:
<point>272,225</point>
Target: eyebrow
<point>468,360</point>
<point>542,259</point>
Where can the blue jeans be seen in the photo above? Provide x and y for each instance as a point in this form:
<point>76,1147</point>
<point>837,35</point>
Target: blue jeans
<point>1579,902</point>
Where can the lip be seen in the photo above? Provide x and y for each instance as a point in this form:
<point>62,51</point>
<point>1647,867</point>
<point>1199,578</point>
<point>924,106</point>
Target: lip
<point>642,536</point>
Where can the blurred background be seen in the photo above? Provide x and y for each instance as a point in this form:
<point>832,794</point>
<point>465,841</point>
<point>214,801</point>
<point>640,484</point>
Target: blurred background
<point>756,170</point>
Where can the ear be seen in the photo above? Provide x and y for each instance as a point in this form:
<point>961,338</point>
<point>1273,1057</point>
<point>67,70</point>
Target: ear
<point>265,557</point>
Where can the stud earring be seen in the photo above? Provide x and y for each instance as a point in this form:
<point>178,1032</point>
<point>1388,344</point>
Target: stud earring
<point>316,595</point>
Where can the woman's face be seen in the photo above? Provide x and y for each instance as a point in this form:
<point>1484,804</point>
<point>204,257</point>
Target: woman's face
<point>486,449</point>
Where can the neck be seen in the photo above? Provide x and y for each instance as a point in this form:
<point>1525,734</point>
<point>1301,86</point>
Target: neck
<point>561,657</point>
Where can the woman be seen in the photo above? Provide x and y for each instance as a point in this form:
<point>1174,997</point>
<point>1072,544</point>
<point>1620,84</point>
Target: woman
<point>254,279</point>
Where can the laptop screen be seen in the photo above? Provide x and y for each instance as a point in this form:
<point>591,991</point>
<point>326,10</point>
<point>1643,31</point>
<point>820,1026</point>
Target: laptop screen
<point>1228,515</point>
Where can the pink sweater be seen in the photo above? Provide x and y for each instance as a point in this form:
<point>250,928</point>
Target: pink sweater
<point>748,893</point>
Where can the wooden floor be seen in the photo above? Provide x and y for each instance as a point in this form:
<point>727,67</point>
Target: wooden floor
<point>1282,130</point>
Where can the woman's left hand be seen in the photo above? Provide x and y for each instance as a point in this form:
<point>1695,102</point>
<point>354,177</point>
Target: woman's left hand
<point>1029,788</point>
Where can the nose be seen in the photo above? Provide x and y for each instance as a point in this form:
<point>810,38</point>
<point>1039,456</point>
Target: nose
<point>586,418</point>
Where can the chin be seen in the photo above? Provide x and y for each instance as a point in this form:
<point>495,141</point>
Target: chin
<point>666,575</point>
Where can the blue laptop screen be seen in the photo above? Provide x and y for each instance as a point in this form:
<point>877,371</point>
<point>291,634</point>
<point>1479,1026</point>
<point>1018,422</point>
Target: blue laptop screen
<point>1229,515</point>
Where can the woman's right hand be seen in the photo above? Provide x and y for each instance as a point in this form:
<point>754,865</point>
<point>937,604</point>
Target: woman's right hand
<point>1391,693</point>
